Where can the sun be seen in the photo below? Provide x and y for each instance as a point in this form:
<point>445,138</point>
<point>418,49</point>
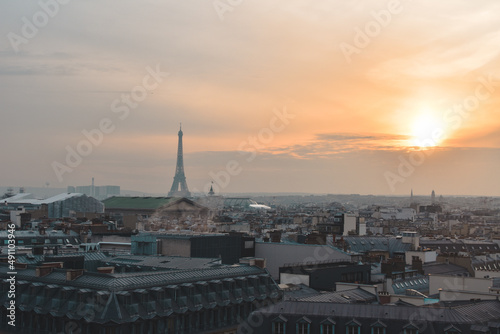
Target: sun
<point>427,129</point>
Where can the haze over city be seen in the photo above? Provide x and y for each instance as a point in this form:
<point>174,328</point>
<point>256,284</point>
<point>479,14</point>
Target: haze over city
<point>273,96</point>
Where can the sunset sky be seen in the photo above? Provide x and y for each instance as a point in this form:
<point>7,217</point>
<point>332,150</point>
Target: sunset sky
<point>351,96</point>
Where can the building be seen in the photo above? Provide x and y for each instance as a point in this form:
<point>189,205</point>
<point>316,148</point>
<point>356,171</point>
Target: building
<point>243,204</point>
<point>228,247</point>
<point>59,206</point>
<point>99,192</point>
<point>334,314</point>
<point>128,211</point>
<point>40,242</point>
<point>374,248</point>
<point>461,246</point>
<point>278,254</point>
<point>186,297</point>
<point>325,275</point>
<point>340,224</point>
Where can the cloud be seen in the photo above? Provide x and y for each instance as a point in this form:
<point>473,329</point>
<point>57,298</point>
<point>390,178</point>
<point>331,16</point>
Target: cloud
<point>228,75</point>
<point>333,144</point>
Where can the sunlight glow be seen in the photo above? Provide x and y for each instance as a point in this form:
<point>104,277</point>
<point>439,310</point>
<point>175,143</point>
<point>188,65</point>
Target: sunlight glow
<point>427,129</point>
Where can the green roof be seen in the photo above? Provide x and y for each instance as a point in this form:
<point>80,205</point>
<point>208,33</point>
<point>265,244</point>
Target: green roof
<point>124,202</point>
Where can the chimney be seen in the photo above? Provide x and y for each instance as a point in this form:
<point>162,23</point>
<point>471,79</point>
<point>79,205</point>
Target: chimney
<point>106,270</point>
<point>416,264</point>
<point>72,274</point>
<point>53,264</point>
<point>384,297</point>
<point>20,265</point>
<point>275,236</point>
<point>261,263</point>
<point>43,271</point>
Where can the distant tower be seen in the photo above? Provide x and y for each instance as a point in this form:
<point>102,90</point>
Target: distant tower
<point>211,192</point>
<point>179,187</point>
<point>433,197</point>
<point>411,196</point>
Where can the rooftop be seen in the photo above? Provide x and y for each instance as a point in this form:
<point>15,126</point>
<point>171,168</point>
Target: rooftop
<point>135,280</point>
<point>434,268</point>
<point>25,198</point>
<point>480,312</point>
<point>164,262</point>
<point>124,202</point>
<point>355,295</point>
<point>366,244</point>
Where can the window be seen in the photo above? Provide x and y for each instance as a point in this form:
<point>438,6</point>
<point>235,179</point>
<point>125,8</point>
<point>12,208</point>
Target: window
<point>303,328</point>
<point>411,331</point>
<point>327,329</point>
<point>353,329</point>
<point>327,326</point>
<point>279,325</point>
<point>279,328</point>
<point>378,327</point>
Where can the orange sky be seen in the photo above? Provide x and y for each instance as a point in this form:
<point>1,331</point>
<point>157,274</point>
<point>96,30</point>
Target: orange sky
<point>410,71</point>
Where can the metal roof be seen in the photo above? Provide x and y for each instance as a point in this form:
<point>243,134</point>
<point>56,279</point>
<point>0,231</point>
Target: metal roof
<point>443,269</point>
<point>418,283</point>
<point>136,280</point>
<point>356,295</point>
<point>299,291</point>
<point>459,245</point>
<point>166,262</point>
<point>53,199</point>
<point>17,197</point>
<point>480,312</point>
<point>36,234</point>
<point>366,244</point>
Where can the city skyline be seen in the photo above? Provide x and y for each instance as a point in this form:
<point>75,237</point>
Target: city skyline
<point>279,96</point>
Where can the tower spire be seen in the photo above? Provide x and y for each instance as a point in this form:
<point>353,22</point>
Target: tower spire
<point>179,186</point>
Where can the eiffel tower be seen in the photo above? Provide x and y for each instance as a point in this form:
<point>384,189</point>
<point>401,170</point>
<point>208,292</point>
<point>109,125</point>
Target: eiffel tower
<point>179,187</point>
